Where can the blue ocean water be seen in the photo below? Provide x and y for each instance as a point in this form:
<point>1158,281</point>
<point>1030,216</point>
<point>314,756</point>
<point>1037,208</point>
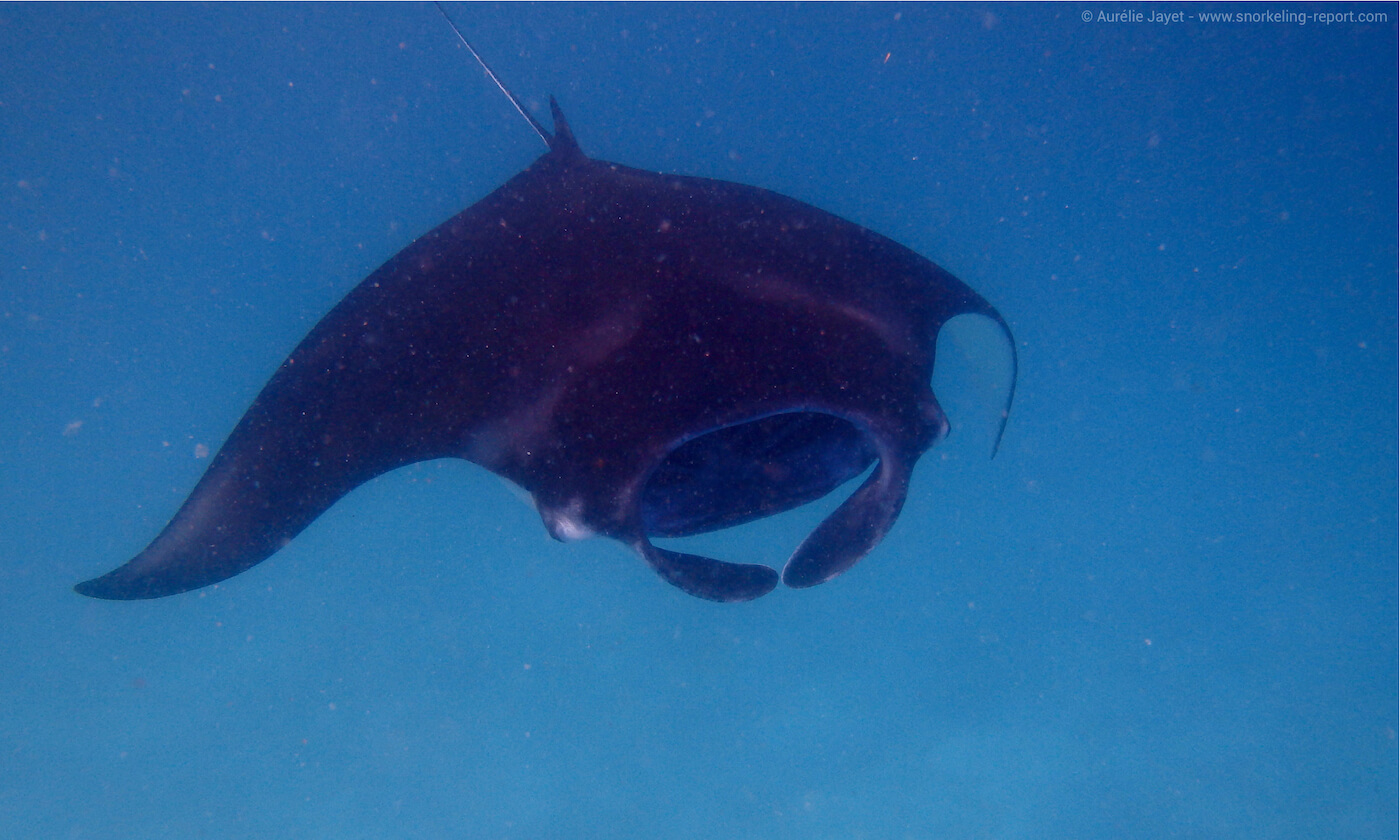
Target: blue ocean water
<point>1167,609</point>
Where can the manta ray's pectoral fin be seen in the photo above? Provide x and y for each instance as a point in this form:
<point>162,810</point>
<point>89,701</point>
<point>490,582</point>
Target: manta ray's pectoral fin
<point>705,577</point>
<point>316,432</point>
<point>249,505</point>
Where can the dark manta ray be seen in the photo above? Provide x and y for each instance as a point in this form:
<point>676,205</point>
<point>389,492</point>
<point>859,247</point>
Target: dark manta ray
<point>648,355</point>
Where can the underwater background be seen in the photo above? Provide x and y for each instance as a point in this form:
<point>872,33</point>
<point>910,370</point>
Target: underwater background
<point>1166,609</point>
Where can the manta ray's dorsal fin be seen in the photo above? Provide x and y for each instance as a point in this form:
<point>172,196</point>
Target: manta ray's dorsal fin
<point>563,142</point>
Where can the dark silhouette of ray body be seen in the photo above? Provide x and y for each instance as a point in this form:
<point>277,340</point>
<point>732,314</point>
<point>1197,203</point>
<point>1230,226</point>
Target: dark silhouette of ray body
<point>648,355</point>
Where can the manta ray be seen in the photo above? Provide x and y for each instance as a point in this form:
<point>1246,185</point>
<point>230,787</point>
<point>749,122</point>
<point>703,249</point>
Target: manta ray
<point>648,355</point>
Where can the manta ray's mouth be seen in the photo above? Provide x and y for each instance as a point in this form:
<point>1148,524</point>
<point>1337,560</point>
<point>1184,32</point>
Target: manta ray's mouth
<point>757,468</point>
